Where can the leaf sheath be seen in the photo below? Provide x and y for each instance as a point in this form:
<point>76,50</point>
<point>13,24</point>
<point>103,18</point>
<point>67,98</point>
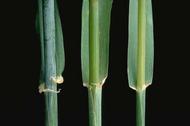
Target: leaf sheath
<point>140,53</point>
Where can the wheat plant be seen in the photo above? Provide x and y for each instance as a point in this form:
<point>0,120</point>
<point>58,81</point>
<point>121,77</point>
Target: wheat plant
<point>48,25</point>
<point>140,53</point>
<point>95,52</point>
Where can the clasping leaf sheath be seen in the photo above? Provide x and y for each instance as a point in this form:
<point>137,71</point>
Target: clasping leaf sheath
<point>95,40</point>
<point>95,52</point>
<point>140,38</point>
<point>48,25</point>
<point>140,52</point>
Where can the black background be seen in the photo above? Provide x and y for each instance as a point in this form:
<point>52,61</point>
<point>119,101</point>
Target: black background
<point>167,98</point>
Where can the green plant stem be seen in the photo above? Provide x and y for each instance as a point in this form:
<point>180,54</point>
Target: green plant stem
<point>141,44</point>
<point>51,109</point>
<point>50,63</point>
<point>140,108</point>
<point>94,90</point>
<point>95,97</point>
<point>93,42</point>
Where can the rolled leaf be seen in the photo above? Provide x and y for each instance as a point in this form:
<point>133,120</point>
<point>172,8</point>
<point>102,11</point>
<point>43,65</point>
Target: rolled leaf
<point>59,43</point>
<point>48,24</point>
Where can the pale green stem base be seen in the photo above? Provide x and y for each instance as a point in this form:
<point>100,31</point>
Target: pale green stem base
<point>140,108</point>
<point>95,99</point>
<point>51,109</point>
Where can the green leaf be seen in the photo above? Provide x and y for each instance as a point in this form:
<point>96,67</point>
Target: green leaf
<point>37,22</point>
<point>60,55</point>
<point>59,43</point>
<point>85,42</point>
<point>95,40</point>
<point>140,47</point>
<point>40,30</point>
<point>95,52</point>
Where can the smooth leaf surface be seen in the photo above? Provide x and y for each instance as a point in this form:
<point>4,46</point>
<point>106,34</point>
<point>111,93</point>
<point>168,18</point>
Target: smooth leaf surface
<point>40,30</point>
<point>133,44</point>
<point>60,55</point>
<point>95,31</point>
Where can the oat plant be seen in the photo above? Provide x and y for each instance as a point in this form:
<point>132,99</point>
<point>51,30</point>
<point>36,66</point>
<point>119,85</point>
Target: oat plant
<point>140,53</point>
<point>95,52</point>
<point>48,25</point>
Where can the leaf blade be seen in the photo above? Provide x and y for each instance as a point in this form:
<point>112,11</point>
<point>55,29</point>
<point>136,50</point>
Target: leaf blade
<point>103,13</point>
<point>59,41</point>
<point>133,45</point>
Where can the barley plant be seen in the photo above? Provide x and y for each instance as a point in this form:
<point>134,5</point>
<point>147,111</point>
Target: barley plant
<point>95,52</point>
<point>48,25</point>
<point>140,53</point>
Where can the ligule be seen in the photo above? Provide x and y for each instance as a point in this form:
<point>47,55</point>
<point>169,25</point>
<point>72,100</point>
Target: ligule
<point>95,53</point>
